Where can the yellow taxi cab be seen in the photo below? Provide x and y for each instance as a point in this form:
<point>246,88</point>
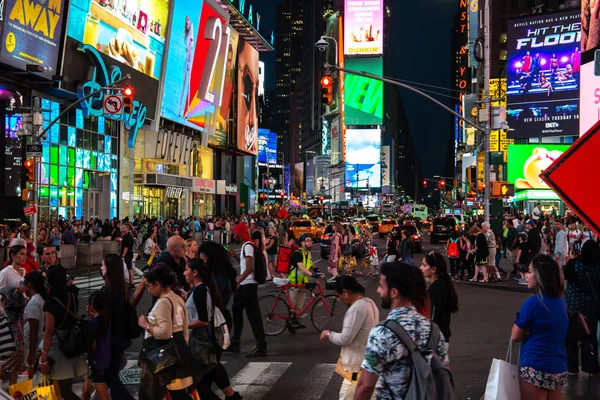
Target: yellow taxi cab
<point>386,226</point>
<point>301,227</point>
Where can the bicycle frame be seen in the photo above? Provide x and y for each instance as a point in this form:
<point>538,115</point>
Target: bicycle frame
<point>284,290</point>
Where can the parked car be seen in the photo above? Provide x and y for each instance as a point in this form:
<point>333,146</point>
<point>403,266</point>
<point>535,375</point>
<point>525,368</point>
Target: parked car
<point>414,234</point>
<point>357,245</point>
<point>441,229</point>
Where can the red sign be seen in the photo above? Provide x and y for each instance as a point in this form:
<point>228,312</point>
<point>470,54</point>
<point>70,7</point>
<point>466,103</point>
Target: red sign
<point>575,177</point>
<point>29,210</point>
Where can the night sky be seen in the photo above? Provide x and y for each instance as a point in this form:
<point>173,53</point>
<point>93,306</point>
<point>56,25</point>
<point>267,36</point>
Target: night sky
<point>422,29</point>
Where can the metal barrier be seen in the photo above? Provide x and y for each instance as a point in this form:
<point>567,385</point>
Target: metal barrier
<point>110,247</point>
<point>89,254</point>
<point>67,255</point>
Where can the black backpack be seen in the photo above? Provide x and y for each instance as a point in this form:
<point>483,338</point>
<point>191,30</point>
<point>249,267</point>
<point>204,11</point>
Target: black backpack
<point>260,264</point>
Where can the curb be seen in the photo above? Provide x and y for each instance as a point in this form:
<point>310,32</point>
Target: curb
<point>500,286</point>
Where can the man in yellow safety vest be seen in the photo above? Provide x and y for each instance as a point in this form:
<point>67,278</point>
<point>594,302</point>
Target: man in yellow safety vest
<point>300,272</point>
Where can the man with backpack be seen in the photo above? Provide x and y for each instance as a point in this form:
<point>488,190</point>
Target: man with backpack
<point>406,355</point>
<point>246,297</point>
<point>453,249</point>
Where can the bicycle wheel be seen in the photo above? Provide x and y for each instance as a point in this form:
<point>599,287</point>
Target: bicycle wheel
<point>275,313</point>
<point>328,313</point>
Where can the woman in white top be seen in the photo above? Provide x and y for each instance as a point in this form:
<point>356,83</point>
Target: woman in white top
<point>150,246</point>
<point>360,318</point>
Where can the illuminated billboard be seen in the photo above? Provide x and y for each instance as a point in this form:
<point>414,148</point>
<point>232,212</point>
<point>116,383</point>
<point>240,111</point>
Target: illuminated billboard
<point>589,98</point>
<point>267,146</point>
<point>590,24</point>
<point>32,33</point>
<point>194,81</point>
<point>543,68</point>
<point>363,158</point>
<point>247,81</point>
<point>363,97</point>
<point>364,27</point>
<point>527,161</point>
<point>132,32</point>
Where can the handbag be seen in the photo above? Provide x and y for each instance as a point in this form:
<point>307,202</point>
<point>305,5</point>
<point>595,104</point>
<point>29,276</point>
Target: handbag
<point>75,343</point>
<point>578,328</point>
<point>347,249</point>
<point>151,259</point>
<point>163,357</point>
<point>344,373</point>
<point>503,380</point>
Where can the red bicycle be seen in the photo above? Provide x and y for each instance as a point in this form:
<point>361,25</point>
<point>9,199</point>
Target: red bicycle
<point>326,310</point>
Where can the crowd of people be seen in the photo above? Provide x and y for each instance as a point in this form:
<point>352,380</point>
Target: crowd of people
<point>194,283</point>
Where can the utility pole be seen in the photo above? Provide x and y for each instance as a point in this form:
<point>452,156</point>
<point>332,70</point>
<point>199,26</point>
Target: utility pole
<point>37,109</point>
<point>488,107</point>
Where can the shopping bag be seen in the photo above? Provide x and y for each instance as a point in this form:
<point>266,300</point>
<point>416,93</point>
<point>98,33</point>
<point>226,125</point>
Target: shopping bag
<point>45,390</point>
<point>503,380</point>
<point>19,389</point>
<point>151,259</point>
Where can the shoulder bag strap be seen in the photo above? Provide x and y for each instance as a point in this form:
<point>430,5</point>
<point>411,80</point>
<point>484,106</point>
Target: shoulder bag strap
<point>591,284</point>
<point>172,315</point>
<point>401,333</point>
<point>66,308</point>
<point>434,337</point>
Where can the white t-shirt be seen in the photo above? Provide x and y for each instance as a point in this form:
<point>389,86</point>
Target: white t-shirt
<point>10,278</point>
<point>574,235</point>
<point>247,250</point>
<point>536,213</point>
<point>34,310</point>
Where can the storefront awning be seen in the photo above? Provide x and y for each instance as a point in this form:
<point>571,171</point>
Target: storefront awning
<point>533,194</point>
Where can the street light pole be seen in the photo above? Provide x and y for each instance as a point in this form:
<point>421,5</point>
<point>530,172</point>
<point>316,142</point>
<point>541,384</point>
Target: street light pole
<point>488,109</point>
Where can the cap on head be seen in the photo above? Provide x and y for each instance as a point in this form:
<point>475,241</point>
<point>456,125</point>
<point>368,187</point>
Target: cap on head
<point>305,236</point>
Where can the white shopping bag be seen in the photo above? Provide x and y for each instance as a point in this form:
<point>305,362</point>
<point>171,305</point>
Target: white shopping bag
<point>503,380</point>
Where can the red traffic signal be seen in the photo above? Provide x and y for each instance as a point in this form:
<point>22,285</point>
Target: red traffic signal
<point>326,90</point>
<point>442,184</point>
<point>29,171</point>
<point>128,93</point>
<point>424,182</point>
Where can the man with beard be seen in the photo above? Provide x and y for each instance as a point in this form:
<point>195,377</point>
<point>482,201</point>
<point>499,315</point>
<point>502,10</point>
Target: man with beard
<point>300,271</point>
<point>387,366</point>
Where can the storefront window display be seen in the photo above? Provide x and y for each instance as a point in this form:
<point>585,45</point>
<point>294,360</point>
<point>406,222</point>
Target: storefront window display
<point>78,172</point>
<point>204,189</point>
<point>153,202</point>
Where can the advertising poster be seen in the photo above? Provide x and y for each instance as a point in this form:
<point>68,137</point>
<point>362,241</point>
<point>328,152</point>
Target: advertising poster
<point>219,138</point>
<point>590,27</point>
<point>543,68</point>
<point>335,141</point>
<point>527,161</point>
<point>363,158</point>
<point>247,80</point>
<point>385,166</point>
<point>130,31</point>
<point>326,137</point>
<point>589,98</point>
<point>267,146</point>
<point>364,27</point>
<point>191,84</point>
<point>363,97</point>
<point>32,33</point>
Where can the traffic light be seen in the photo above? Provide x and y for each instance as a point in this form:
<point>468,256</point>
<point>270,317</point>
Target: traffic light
<point>326,91</point>
<point>442,184</point>
<point>424,183</point>
<point>29,170</point>
<point>127,99</point>
<point>282,194</point>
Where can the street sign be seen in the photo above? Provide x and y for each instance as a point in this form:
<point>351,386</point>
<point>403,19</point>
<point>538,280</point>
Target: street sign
<point>579,190</point>
<point>113,104</point>
<point>29,210</point>
<point>33,150</point>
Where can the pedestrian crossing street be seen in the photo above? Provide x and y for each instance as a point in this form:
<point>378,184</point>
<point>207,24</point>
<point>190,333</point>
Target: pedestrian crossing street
<point>262,380</point>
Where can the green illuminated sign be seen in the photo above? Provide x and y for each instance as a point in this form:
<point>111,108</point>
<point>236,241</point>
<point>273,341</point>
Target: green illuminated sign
<point>536,195</point>
<point>527,161</point>
<point>363,97</point>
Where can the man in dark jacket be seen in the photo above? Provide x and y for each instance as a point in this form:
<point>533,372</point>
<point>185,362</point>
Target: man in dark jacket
<point>533,239</point>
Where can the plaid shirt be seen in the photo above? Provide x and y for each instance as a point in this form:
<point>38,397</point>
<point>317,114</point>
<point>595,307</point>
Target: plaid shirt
<point>387,357</point>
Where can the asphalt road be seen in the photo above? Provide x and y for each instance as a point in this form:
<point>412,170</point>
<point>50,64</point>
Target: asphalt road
<point>299,366</point>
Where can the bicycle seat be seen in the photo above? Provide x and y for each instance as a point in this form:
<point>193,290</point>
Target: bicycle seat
<point>311,285</point>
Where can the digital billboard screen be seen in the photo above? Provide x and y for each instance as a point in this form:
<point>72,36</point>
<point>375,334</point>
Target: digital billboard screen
<point>32,33</point>
<point>363,97</point>
<point>132,32</point>
<point>543,68</point>
<point>192,87</point>
<point>589,98</point>
<point>247,115</point>
<point>363,34</point>
<point>267,146</point>
<point>527,161</point>
<point>363,158</point>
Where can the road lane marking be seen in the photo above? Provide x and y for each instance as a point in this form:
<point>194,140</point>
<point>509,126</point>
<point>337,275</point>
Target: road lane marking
<point>256,379</point>
<point>316,382</point>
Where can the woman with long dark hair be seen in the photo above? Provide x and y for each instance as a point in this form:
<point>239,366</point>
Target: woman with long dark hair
<point>115,289</point>
<point>444,300</point>
<point>60,313</point>
<point>219,263</point>
<point>201,302</point>
<point>541,326</point>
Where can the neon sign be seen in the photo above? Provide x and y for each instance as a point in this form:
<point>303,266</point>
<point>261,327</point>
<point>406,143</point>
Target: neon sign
<point>101,76</point>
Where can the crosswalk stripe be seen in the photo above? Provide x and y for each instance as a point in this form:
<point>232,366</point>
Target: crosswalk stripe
<point>315,383</point>
<point>256,379</point>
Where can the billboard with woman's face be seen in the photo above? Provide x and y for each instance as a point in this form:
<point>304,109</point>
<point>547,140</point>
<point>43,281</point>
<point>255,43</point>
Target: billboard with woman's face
<point>247,78</point>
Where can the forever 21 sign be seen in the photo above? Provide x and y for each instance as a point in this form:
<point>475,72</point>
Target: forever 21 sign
<point>173,147</point>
